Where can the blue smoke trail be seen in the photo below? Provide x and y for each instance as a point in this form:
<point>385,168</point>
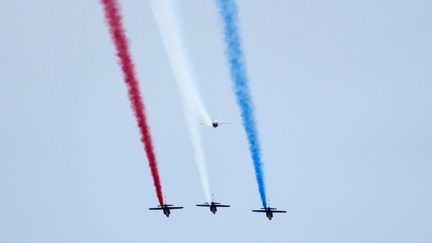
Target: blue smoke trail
<point>234,52</point>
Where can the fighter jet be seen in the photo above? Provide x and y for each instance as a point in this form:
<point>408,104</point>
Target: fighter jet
<point>166,208</point>
<point>213,206</point>
<point>269,211</point>
<point>216,124</point>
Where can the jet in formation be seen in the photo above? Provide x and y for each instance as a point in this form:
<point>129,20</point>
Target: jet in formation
<point>216,124</point>
<point>166,208</point>
<point>213,206</point>
<point>269,211</point>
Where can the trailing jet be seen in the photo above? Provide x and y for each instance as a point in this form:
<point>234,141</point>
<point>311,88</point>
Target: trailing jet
<point>216,124</point>
<point>166,209</point>
<point>269,211</point>
<point>213,206</point>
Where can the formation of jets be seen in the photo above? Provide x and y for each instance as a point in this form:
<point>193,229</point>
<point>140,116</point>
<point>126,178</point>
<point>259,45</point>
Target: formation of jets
<point>166,209</point>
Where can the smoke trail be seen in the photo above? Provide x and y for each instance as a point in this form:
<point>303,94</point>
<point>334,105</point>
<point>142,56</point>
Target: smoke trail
<point>170,31</point>
<point>114,21</point>
<point>236,61</point>
<point>169,28</point>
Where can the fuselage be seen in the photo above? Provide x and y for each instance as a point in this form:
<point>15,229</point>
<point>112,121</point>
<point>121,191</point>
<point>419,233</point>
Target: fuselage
<point>167,212</point>
<point>269,215</point>
<point>213,208</point>
<point>215,124</point>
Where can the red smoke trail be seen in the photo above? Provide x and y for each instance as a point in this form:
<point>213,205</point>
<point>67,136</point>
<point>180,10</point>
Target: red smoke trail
<point>113,17</point>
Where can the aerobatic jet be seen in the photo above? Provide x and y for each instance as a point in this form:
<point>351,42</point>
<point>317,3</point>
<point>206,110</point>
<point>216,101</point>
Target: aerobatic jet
<point>269,211</point>
<point>166,208</point>
<point>216,124</point>
<point>213,206</point>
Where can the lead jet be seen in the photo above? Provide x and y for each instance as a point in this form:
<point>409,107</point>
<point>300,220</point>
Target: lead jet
<point>213,206</point>
<point>166,209</point>
<point>269,211</point>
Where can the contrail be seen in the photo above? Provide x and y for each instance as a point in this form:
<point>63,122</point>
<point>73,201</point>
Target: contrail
<point>114,21</point>
<point>235,58</point>
<point>169,28</point>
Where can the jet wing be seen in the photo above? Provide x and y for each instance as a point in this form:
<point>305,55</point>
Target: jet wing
<point>202,205</point>
<point>175,207</point>
<point>156,208</point>
<point>279,211</point>
<point>259,211</point>
<point>222,206</point>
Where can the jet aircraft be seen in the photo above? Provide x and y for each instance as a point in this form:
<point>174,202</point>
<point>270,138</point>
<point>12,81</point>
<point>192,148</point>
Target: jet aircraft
<point>216,124</point>
<point>166,208</point>
<point>269,211</point>
<point>213,206</point>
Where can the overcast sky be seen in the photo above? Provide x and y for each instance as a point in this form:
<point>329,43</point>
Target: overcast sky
<point>343,99</point>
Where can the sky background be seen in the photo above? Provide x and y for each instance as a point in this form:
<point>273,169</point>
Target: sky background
<point>342,91</point>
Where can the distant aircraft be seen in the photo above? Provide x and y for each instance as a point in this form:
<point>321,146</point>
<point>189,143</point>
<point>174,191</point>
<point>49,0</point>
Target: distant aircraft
<point>269,211</point>
<point>213,206</point>
<point>166,208</point>
<point>216,124</point>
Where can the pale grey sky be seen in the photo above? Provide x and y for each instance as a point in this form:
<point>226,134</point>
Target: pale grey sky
<point>343,97</point>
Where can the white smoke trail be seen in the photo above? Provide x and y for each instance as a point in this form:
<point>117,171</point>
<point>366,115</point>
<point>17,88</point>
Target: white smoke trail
<point>169,28</point>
